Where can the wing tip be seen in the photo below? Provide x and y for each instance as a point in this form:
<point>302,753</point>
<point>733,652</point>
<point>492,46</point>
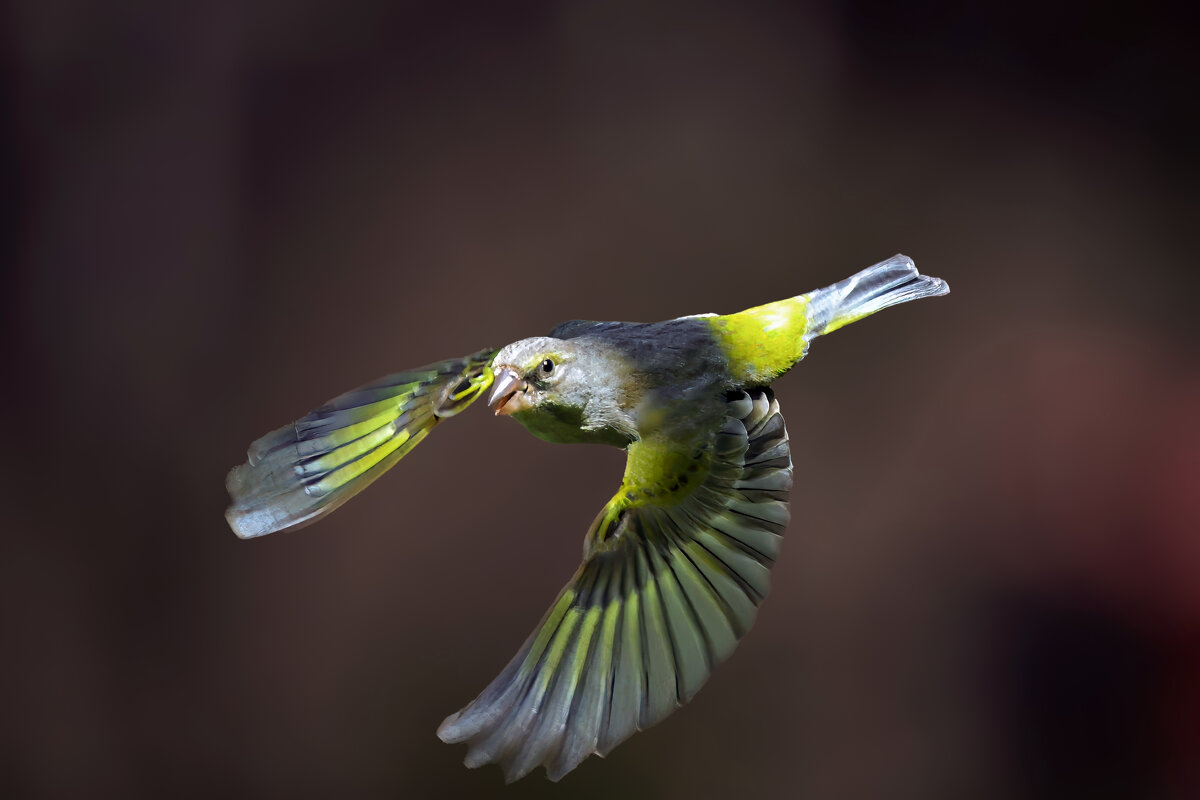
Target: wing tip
<point>245,525</point>
<point>252,521</point>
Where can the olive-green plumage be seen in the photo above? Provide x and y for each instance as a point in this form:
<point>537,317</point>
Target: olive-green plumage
<point>675,564</point>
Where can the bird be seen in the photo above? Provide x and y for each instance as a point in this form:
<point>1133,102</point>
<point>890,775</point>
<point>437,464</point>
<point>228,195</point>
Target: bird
<point>674,566</point>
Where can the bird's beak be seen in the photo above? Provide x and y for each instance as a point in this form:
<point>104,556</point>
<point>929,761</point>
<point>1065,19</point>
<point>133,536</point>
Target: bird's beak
<point>508,392</point>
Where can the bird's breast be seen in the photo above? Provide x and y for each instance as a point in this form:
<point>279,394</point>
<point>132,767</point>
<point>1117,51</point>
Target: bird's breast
<point>566,426</point>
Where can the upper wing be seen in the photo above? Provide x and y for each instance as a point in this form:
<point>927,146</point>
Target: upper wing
<point>674,569</point>
<point>299,473</point>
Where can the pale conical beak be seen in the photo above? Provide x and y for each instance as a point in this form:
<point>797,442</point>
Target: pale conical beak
<point>508,392</point>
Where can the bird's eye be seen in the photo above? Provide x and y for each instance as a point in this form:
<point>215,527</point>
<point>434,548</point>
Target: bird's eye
<point>546,367</point>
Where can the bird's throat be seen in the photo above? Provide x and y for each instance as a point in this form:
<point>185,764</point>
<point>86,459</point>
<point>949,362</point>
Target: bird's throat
<point>566,426</point>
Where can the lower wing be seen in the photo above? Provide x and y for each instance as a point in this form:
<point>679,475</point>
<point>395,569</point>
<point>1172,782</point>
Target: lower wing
<point>675,567</point>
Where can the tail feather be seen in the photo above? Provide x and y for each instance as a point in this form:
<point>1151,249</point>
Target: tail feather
<point>887,283</point>
<point>764,342</point>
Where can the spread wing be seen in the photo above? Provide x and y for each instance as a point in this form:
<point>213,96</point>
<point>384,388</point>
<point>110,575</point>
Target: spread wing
<point>303,471</point>
<point>674,569</point>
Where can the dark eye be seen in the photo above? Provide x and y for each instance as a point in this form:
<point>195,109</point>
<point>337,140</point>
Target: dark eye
<point>546,368</point>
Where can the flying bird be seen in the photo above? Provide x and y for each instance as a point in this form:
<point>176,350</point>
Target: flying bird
<point>674,566</point>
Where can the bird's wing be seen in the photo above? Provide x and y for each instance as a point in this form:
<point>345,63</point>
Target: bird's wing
<point>674,569</point>
<point>303,471</point>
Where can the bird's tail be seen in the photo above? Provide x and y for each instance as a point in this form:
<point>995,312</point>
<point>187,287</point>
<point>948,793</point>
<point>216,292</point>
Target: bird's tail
<point>303,471</point>
<point>764,342</point>
<point>887,283</point>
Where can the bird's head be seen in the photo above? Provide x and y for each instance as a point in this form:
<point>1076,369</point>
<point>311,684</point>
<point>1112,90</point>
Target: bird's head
<point>562,390</point>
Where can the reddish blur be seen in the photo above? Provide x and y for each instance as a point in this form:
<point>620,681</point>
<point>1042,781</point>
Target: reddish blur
<point>229,213</point>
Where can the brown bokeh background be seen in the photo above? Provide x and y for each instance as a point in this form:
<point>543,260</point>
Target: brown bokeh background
<point>227,213</point>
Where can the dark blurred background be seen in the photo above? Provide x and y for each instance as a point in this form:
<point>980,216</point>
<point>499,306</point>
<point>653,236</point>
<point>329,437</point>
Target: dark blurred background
<point>224,213</point>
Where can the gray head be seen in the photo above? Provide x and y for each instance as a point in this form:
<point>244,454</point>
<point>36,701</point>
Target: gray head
<point>564,390</point>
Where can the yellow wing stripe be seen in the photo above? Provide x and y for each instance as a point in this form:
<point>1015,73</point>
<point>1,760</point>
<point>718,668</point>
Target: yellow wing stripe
<point>343,475</point>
